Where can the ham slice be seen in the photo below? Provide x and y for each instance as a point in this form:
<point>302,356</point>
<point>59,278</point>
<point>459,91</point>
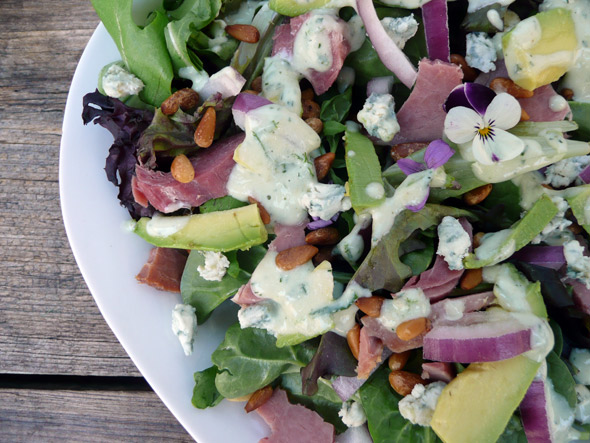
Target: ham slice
<point>374,328</point>
<point>438,371</point>
<point>284,40</point>
<point>436,282</point>
<point>538,107</point>
<point>163,269</point>
<point>212,169</point>
<point>245,296</point>
<point>288,237</point>
<point>293,423</point>
<point>469,303</point>
<point>421,118</point>
<point>370,354</point>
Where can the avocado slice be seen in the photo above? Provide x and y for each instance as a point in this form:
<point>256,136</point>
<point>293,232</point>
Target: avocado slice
<point>477,405</point>
<point>293,8</point>
<point>541,48</point>
<point>238,228</point>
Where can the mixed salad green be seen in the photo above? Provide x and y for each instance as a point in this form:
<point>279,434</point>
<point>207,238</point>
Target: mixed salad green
<point>395,193</point>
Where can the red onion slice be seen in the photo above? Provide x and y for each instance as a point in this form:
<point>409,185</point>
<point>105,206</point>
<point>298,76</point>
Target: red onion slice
<point>438,371</point>
<point>533,411</point>
<point>244,103</point>
<point>391,56</point>
<point>477,338</point>
<point>585,174</point>
<point>547,256</point>
<point>436,28</point>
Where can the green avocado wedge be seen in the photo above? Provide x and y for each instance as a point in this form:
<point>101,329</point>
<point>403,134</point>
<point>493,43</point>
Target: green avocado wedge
<point>293,8</point>
<point>239,228</point>
<point>477,405</point>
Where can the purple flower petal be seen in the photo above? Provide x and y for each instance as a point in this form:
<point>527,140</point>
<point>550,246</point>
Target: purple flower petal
<point>456,98</point>
<point>479,97</point>
<point>318,223</point>
<point>437,154</point>
<point>409,166</point>
<point>416,208</point>
<point>585,174</point>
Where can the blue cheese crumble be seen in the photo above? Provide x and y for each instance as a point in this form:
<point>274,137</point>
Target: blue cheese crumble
<point>325,200</point>
<point>352,414</point>
<point>565,172</point>
<point>418,407</point>
<point>554,233</point>
<point>400,29</point>
<point>378,116</point>
<point>406,305</point>
<point>184,326</point>
<point>578,267</point>
<point>215,266</point>
<point>117,82</point>
<point>453,242</point>
<point>481,52</point>
<point>580,360</point>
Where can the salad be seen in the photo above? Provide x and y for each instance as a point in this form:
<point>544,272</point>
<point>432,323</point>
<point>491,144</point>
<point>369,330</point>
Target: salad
<point>395,194</point>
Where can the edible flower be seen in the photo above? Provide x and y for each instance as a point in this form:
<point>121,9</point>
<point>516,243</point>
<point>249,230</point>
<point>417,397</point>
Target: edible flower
<point>476,114</point>
<point>436,155</point>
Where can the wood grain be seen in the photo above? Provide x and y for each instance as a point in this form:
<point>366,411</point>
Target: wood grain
<point>90,416</point>
<point>49,323</point>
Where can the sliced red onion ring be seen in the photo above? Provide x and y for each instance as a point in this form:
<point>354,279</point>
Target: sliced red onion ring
<point>391,56</point>
<point>244,103</point>
<point>547,256</point>
<point>380,85</point>
<point>477,338</point>
<point>585,174</point>
<point>533,411</point>
<point>436,28</point>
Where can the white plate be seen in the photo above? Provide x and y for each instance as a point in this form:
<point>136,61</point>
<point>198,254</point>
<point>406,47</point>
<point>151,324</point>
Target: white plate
<point>109,258</point>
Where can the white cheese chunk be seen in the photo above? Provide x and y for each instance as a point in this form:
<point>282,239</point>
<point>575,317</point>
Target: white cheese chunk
<point>117,82</point>
<point>453,242</point>
<point>184,326</point>
<point>378,116</point>
<point>578,265</point>
<point>580,360</point>
<point>481,52</point>
<point>352,414</point>
<point>215,266</point>
<point>400,29</point>
<point>418,407</point>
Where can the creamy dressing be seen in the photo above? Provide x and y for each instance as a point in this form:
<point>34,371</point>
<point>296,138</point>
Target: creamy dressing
<point>494,18</point>
<point>375,190</point>
<point>344,320</point>
<point>406,305</point>
<point>351,247</point>
<point>557,103</point>
<point>496,245</point>
<point>510,288</point>
<point>580,360</point>
<point>582,412</point>
<point>454,309</point>
<point>408,4</point>
<point>474,5</point>
<point>199,78</point>
<point>578,265</point>
<point>280,84</point>
<point>292,299</point>
<point>160,226</point>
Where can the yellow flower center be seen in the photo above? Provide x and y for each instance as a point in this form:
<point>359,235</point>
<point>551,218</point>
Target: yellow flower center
<point>485,131</point>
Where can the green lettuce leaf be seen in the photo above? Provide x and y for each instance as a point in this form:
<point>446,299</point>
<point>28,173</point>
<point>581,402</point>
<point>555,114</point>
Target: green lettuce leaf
<point>563,382</point>
<point>205,394</point>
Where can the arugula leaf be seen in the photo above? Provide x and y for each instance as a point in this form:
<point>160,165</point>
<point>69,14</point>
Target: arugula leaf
<point>514,432</point>
<point>420,259</point>
<point>382,267</point>
<point>248,359</point>
<point>325,402</point>
<point>221,204</point>
<point>336,109</point>
<point>581,113</point>
<point>478,21</point>
<point>333,128</point>
<point>193,6</point>
<point>205,394</point>
<point>558,335</point>
<point>386,424</point>
<point>205,295</point>
<point>506,194</point>
<point>563,382</point>
<point>142,49</point>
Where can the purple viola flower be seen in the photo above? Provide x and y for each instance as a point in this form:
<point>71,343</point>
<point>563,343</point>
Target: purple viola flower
<point>437,154</point>
<point>476,114</point>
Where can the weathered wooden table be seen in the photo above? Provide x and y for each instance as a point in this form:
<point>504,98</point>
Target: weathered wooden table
<point>63,374</point>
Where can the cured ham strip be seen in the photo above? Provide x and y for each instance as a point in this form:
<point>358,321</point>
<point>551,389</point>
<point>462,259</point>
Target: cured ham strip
<point>212,169</point>
<point>421,117</point>
<point>436,282</point>
<point>293,423</point>
<point>374,328</point>
<point>370,354</point>
<point>163,269</point>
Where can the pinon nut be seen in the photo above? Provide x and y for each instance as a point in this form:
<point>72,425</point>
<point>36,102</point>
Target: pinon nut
<point>310,109</point>
<point>256,84</point>
<point>353,337</point>
<point>258,398</point>
<point>307,94</point>
<point>316,124</point>
<point>398,360</point>
<point>243,33</point>
<point>503,84</point>
<point>471,278</point>
<point>403,382</point>
<point>477,195</point>
<point>264,215</point>
<point>469,74</point>
<point>524,116</point>
<point>323,237</point>
<point>411,328</point>
<point>185,99</point>
<point>291,258</point>
<point>322,164</point>
<point>403,150</point>
<point>370,305</point>
<point>205,131</point>
<point>182,169</point>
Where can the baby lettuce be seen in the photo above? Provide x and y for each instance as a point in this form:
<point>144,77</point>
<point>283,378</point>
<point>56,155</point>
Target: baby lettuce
<point>386,423</point>
<point>142,49</point>
<point>205,394</point>
<point>248,359</point>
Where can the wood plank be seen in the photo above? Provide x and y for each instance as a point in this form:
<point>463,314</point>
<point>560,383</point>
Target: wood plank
<point>49,323</point>
<point>97,416</point>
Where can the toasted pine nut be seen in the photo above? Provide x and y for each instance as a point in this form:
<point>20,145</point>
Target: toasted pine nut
<point>316,124</point>
<point>323,163</point>
<point>182,169</point>
<point>256,84</point>
<point>398,360</point>
<point>323,237</point>
<point>258,398</point>
<point>310,109</point>
<point>503,84</point>
<point>567,93</point>
<point>307,94</point>
<point>243,33</point>
<point>411,328</point>
<point>469,74</point>
<point>471,278</point>
<point>291,258</point>
<point>403,382</point>
<point>324,254</point>
<point>370,305</point>
<point>524,116</point>
<point>206,129</point>
<point>264,215</point>
<point>353,337</point>
<point>404,150</point>
<point>477,195</point>
<point>185,99</point>
<point>477,239</point>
